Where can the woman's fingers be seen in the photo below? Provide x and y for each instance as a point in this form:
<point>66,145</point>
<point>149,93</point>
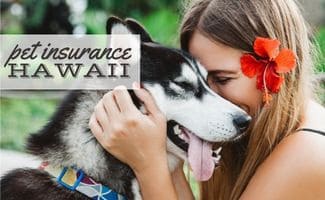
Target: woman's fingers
<point>111,106</point>
<point>147,99</point>
<point>95,128</point>
<point>132,137</point>
<point>123,100</point>
<point>101,115</point>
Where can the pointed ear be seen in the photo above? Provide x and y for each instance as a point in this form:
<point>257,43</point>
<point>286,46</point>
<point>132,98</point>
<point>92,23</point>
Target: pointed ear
<point>137,28</point>
<point>115,25</point>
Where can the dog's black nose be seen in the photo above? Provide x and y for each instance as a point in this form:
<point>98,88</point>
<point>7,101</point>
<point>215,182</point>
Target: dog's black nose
<point>242,122</point>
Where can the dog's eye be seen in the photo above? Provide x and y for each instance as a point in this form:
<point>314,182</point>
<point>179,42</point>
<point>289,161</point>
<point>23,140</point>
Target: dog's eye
<point>185,85</point>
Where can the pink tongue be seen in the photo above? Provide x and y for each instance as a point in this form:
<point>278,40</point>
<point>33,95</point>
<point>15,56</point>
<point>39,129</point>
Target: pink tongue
<point>200,157</point>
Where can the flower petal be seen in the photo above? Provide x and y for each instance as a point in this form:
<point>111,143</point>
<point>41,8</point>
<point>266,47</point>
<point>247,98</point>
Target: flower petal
<point>260,82</point>
<point>250,66</point>
<point>285,61</point>
<point>266,48</point>
<point>273,80</point>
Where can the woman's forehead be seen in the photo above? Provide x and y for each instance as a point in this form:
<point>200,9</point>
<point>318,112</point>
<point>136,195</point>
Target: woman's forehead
<point>214,55</point>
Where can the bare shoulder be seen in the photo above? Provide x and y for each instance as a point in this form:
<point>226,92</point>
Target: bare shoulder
<point>295,169</point>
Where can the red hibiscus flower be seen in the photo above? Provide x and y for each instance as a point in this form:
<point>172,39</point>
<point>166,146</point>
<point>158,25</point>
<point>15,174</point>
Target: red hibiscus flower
<point>268,65</point>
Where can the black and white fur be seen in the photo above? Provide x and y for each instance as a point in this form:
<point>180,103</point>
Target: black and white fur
<point>177,83</point>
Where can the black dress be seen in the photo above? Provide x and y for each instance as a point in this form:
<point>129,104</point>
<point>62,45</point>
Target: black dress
<point>312,130</point>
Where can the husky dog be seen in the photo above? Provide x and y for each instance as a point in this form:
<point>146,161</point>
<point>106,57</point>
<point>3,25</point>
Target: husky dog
<point>196,117</point>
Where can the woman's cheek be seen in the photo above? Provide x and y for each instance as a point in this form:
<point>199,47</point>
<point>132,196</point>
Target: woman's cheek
<point>236,96</point>
<point>244,94</point>
<point>241,92</point>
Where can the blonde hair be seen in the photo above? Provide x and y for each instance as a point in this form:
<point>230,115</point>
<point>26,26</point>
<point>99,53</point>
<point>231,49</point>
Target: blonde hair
<point>236,23</point>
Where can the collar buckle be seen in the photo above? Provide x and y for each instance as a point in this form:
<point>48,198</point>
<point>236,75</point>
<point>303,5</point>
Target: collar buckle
<point>69,179</point>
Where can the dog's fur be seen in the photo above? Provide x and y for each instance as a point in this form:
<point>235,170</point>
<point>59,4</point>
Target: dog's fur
<point>177,83</point>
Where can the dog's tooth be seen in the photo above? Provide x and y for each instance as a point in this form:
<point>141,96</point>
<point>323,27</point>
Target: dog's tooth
<point>217,159</point>
<point>218,150</point>
<point>177,131</point>
<point>182,136</point>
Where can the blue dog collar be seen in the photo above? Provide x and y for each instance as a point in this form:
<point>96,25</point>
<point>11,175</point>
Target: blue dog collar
<point>76,180</point>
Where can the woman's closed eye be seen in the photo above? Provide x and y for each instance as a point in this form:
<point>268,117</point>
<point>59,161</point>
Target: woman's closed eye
<point>219,80</point>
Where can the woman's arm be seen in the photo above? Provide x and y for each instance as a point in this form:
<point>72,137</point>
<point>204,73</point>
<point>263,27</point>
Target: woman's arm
<point>156,182</point>
<point>136,139</point>
<point>182,187</point>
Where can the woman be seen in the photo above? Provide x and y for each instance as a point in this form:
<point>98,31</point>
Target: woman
<point>238,41</point>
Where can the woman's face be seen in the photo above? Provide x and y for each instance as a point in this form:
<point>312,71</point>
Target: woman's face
<point>224,72</point>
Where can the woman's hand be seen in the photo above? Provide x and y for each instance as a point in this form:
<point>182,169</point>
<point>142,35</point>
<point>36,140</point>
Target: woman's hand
<point>136,139</point>
<point>182,187</point>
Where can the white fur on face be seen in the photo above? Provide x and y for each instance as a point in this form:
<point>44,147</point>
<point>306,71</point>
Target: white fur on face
<point>136,189</point>
<point>159,95</point>
<point>187,75</point>
<point>210,118</point>
<point>202,70</point>
<point>178,89</point>
<point>174,155</point>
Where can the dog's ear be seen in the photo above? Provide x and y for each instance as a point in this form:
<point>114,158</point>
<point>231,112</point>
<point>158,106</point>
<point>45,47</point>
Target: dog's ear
<point>137,28</point>
<point>115,25</point>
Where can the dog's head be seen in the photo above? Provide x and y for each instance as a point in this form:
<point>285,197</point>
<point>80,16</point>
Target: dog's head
<point>196,115</point>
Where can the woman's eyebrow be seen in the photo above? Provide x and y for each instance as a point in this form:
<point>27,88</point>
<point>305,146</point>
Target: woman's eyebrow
<point>223,71</point>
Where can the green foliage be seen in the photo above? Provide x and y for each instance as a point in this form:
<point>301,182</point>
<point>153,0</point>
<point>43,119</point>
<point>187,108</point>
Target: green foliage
<point>193,183</point>
<point>20,117</point>
<point>127,8</point>
<point>162,26</point>
<point>35,10</point>
<point>320,62</point>
<point>95,28</point>
<point>320,41</point>
<point>11,23</point>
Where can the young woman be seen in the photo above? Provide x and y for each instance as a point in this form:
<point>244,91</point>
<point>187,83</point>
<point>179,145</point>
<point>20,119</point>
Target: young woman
<point>258,56</point>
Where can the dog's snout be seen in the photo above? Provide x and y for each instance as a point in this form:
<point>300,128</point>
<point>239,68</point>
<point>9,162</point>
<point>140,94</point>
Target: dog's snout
<point>242,122</point>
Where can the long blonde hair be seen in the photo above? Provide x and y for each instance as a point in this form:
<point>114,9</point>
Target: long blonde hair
<point>236,23</point>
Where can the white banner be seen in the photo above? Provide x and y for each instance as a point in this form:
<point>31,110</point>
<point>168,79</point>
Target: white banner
<point>64,62</point>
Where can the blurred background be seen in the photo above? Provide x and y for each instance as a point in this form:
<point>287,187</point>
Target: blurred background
<point>25,112</point>
<point>22,113</point>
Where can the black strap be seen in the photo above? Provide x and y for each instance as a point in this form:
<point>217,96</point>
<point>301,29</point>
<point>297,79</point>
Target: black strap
<point>312,130</point>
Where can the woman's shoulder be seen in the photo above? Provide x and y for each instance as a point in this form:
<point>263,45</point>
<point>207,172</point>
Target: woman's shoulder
<point>295,168</point>
<point>298,164</point>
<point>306,147</point>
<point>309,139</point>
<point>311,133</point>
